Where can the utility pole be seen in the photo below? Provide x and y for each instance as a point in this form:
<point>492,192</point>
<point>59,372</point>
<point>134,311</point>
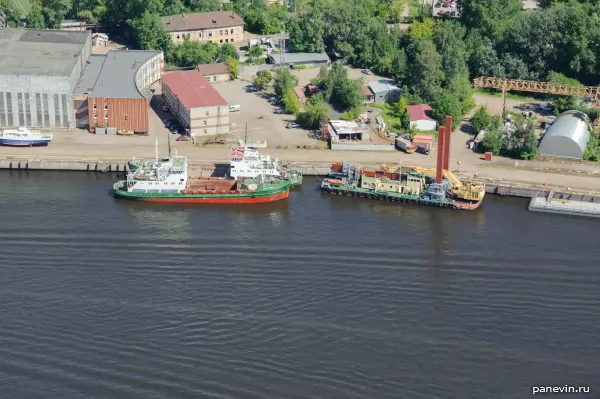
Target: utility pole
<point>282,49</point>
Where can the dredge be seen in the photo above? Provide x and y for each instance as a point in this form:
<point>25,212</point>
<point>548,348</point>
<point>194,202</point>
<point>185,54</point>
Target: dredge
<point>420,186</point>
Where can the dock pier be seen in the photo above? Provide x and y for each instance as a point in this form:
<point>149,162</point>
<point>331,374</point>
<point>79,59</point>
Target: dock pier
<point>574,202</point>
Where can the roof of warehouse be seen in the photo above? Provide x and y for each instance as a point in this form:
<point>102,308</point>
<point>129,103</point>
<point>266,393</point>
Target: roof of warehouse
<point>292,58</point>
<point>116,77</point>
<point>419,112</point>
<point>378,86</point>
<point>40,52</point>
<point>193,90</point>
<point>218,68</point>
<point>201,20</point>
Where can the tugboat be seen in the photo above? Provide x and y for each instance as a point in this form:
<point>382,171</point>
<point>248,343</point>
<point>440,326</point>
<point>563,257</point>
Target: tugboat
<point>166,180</point>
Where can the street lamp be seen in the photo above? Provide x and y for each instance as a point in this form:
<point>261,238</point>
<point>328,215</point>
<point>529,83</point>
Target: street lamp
<point>458,165</point>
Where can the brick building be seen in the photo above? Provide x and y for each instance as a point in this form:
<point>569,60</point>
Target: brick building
<point>196,104</point>
<point>213,27</point>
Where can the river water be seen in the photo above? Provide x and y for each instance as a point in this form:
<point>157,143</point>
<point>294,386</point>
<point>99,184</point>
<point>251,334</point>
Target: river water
<point>313,297</point>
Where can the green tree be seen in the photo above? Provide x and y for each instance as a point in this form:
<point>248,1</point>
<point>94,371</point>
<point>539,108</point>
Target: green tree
<point>204,5</point>
<point>149,33</point>
<point>426,71</point>
<point>492,142</point>
<point>449,42</point>
<point>400,111</point>
<point>284,81</point>
<point>291,103</point>
<point>262,79</point>
<point>445,104</point>
<point>563,103</point>
<point>529,144</point>
<point>481,119</point>
<point>492,18</point>
<point>421,29</point>
<point>307,33</point>
<point>11,13</point>
<point>227,50</point>
<point>317,111</point>
<point>234,67</point>
<point>54,12</point>
<point>255,52</point>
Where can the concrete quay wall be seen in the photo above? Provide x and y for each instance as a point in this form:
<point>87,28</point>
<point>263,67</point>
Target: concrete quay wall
<point>503,188</point>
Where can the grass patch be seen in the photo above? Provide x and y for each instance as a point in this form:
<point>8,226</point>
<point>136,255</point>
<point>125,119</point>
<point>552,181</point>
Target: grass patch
<point>23,5</point>
<point>392,122</point>
<point>498,93</point>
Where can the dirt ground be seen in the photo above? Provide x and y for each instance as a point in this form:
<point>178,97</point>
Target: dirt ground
<point>264,124</point>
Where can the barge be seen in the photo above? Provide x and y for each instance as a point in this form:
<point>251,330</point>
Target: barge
<point>416,186</point>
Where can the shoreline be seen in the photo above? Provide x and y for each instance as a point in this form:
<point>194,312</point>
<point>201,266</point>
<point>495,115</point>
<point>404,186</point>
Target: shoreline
<point>497,186</point>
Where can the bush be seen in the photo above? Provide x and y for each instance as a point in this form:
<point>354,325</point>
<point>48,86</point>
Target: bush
<point>492,142</point>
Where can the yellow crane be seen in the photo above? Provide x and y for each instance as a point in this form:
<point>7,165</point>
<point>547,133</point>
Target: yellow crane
<point>464,190</point>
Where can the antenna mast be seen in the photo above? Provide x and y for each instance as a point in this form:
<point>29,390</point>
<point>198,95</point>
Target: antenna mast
<point>169,141</point>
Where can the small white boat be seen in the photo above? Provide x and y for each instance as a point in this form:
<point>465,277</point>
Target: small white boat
<point>24,137</point>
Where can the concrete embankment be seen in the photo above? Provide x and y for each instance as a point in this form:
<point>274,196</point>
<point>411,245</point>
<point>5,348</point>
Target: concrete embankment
<point>119,165</point>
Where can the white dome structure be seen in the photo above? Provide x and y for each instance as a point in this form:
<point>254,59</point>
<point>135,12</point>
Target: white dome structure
<point>567,137</point>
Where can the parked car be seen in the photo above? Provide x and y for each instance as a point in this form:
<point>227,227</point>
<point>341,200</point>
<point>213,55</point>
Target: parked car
<point>183,138</point>
<point>366,71</point>
<point>292,125</point>
<point>423,150</point>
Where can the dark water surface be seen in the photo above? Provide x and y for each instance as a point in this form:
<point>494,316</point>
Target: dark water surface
<point>314,297</point>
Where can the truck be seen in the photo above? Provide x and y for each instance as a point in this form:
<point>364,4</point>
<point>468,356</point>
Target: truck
<point>405,145</point>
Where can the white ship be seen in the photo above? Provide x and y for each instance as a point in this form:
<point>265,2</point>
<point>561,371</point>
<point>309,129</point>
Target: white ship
<point>24,137</point>
<point>247,162</point>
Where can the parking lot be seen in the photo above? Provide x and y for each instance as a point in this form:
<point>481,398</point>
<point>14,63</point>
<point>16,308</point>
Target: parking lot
<point>446,8</point>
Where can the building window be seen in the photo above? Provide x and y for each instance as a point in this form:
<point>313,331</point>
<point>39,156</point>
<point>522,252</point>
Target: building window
<point>125,116</point>
<point>204,123</point>
<point>205,131</point>
<point>94,106</point>
<point>207,113</point>
<point>221,32</point>
<point>232,31</point>
<point>226,40</point>
<point>105,116</point>
<point>105,107</point>
<point>210,33</point>
<point>95,116</point>
<point>178,36</point>
<point>221,41</point>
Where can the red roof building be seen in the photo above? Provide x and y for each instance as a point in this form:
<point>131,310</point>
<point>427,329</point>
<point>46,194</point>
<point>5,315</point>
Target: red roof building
<point>196,104</point>
<point>420,117</point>
<point>300,94</point>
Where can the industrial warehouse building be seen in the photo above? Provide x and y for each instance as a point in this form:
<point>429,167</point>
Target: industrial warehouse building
<point>385,91</point>
<point>39,69</point>
<point>300,59</point>
<point>114,93</point>
<point>212,27</point>
<point>421,117</point>
<point>217,72</point>
<point>196,104</point>
<point>49,79</point>
<point>567,137</point>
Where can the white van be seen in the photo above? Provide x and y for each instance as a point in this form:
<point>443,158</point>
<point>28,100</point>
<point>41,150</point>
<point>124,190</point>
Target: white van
<point>234,108</point>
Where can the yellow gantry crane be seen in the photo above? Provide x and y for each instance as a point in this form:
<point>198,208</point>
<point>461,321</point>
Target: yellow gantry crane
<point>534,86</point>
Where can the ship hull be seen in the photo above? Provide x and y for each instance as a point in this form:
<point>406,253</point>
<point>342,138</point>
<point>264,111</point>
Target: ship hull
<point>23,143</point>
<point>203,199</point>
<point>402,199</point>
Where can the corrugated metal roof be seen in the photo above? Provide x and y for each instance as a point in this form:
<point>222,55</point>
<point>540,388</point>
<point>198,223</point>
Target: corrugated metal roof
<point>378,86</point>
<point>567,137</point>
<point>193,90</point>
<point>218,68</point>
<point>40,52</point>
<point>117,77</point>
<point>294,58</point>
<point>201,20</point>
<point>419,112</point>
